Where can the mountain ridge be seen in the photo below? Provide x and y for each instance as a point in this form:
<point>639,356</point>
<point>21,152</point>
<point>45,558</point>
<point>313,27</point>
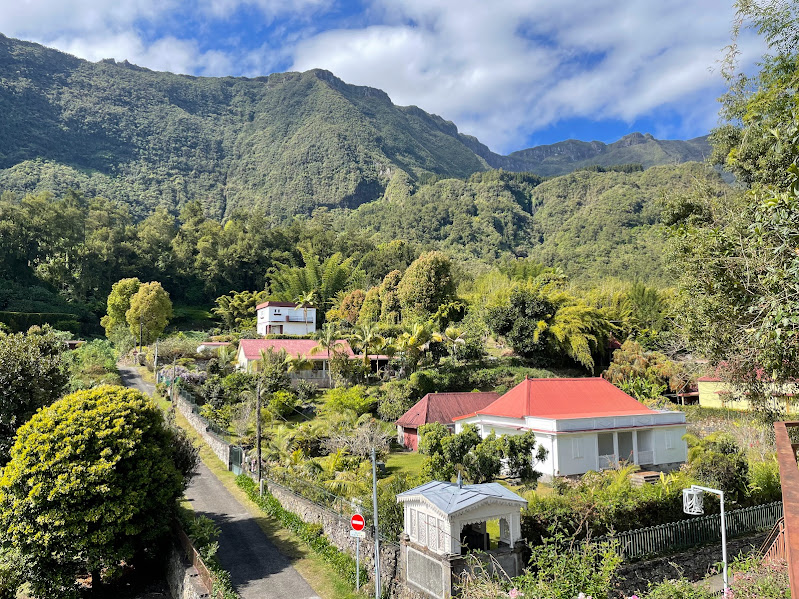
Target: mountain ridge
<point>285,143</point>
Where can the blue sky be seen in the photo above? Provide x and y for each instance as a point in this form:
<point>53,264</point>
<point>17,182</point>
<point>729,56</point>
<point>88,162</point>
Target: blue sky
<point>514,73</point>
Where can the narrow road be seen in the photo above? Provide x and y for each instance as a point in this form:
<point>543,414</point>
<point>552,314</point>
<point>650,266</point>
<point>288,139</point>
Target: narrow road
<point>257,568</point>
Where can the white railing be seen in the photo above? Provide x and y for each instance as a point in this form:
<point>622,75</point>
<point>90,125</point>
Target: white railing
<point>608,461</point>
<point>646,457</point>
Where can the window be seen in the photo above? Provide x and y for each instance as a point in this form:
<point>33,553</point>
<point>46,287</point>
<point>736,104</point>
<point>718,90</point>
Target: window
<point>277,311</point>
<point>577,448</point>
<point>669,439</point>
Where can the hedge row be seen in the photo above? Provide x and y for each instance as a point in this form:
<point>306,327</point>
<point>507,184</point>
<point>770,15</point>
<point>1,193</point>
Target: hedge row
<point>311,534</point>
<point>22,321</point>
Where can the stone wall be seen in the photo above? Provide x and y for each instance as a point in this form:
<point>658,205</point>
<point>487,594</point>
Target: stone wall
<point>220,447</point>
<point>694,564</point>
<point>337,529</point>
<point>182,578</point>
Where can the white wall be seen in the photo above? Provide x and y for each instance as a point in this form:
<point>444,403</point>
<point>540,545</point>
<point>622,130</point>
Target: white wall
<point>296,325</point>
<point>669,445</point>
<point>577,454</point>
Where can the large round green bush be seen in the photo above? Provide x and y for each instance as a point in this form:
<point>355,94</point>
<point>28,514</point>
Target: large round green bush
<point>92,482</point>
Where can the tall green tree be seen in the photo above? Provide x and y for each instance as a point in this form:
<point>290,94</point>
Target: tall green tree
<point>33,374</point>
<point>118,304</point>
<point>149,312</point>
<point>426,285</point>
<point>238,307</point>
<point>735,256</point>
<point>93,481</point>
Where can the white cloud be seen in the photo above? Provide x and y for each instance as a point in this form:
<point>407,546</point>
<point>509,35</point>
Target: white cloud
<point>502,70</point>
<point>499,70</point>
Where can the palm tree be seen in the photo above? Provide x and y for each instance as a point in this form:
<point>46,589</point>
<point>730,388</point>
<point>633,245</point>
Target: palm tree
<point>304,300</point>
<point>366,336</point>
<point>298,363</point>
<point>412,343</point>
<point>328,340</point>
<point>456,337</point>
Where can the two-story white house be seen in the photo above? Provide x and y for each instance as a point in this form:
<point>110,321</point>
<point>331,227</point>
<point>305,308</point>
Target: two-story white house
<point>585,424</point>
<point>285,318</point>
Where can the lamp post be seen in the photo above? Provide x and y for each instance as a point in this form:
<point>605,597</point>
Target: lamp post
<point>692,503</point>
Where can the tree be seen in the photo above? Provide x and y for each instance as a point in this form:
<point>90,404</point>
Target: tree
<point>237,309</point>
<point>118,304</point>
<point>304,300</point>
<point>735,254</point>
<point>150,311</point>
<point>367,337</point>
<point>426,285</point>
<point>91,483</point>
<point>33,374</point>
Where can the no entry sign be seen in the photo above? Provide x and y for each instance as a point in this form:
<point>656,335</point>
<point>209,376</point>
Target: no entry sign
<point>357,522</point>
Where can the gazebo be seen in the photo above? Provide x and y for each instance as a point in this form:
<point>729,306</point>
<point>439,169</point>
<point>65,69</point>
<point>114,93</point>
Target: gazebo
<point>450,518</point>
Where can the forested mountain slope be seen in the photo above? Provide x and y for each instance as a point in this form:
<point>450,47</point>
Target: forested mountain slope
<point>286,143</point>
<point>591,224</point>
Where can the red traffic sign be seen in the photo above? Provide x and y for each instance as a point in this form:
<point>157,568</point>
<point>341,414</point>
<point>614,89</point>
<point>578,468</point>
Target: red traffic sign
<point>357,522</point>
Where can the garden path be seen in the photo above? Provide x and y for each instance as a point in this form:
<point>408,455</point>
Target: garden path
<point>257,568</point>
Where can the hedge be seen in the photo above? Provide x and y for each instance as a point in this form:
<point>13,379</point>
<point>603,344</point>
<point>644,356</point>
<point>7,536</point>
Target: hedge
<point>311,534</point>
<point>22,321</point>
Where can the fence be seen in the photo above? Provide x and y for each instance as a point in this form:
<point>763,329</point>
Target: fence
<point>665,538</point>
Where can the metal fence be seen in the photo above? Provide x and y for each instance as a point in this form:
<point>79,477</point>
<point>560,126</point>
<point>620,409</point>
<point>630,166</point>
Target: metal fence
<point>670,537</point>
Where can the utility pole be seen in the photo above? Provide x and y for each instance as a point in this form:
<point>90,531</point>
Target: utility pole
<point>174,370</point>
<point>155,361</point>
<point>377,530</point>
<point>140,335</point>
<point>258,427</point>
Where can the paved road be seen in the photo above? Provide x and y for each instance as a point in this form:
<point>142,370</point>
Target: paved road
<point>257,568</point>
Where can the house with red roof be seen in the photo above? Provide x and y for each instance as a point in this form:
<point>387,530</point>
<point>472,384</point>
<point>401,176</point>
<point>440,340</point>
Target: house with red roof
<point>285,318</point>
<point>249,353</point>
<point>438,407</point>
<point>584,424</point>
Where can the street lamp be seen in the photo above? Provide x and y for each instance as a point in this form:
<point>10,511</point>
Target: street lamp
<point>692,503</point>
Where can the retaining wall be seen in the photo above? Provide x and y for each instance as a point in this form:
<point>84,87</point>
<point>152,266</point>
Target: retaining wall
<point>220,447</point>
<point>695,564</point>
<point>337,529</point>
<point>182,578</point>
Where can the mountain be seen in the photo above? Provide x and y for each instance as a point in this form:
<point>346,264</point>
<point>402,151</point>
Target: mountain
<point>591,224</point>
<point>286,144</point>
<point>636,148</point>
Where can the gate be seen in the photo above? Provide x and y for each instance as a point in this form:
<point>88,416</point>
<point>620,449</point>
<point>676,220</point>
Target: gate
<point>236,459</point>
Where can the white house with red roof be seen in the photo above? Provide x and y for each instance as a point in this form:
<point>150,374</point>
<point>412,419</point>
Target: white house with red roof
<point>249,353</point>
<point>585,424</point>
<point>285,318</point>
<point>438,407</point>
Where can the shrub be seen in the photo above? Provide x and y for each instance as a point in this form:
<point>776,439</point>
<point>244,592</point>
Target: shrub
<point>91,483</point>
<point>352,398</point>
<point>282,403</point>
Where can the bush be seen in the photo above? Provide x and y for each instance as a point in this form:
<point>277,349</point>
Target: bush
<point>91,484</point>
<point>353,398</point>
<point>282,403</point>
<point>679,589</point>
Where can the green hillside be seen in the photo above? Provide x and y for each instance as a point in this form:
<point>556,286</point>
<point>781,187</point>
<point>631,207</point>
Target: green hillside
<point>285,144</point>
<point>591,224</point>
<point>566,156</point>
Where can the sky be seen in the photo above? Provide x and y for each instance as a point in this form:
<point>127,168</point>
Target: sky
<point>514,73</point>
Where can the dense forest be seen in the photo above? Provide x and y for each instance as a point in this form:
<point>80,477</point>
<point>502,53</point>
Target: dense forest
<point>286,143</point>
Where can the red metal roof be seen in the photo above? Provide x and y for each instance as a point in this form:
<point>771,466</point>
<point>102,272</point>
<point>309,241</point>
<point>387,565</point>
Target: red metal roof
<point>564,399</point>
<point>252,348</point>
<point>444,408</point>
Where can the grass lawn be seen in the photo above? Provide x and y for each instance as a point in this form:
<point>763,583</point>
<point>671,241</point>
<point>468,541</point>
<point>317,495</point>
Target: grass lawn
<point>324,581</point>
<point>409,462</point>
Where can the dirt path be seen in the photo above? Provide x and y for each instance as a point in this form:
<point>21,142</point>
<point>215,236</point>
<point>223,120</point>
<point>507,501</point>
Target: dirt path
<point>257,568</point>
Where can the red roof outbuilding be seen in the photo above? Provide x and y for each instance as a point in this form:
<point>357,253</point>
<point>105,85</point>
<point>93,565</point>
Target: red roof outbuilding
<point>444,408</point>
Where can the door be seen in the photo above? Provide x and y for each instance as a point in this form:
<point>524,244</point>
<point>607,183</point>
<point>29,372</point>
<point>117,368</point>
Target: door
<point>236,460</point>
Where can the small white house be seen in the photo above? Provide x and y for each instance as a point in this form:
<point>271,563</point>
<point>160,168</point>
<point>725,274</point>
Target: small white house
<point>585,424</point>
<point>285,318</point>
<point>450,518</point>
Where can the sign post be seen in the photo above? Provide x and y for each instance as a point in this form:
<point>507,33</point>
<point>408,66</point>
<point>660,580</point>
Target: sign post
<point>357,522</point>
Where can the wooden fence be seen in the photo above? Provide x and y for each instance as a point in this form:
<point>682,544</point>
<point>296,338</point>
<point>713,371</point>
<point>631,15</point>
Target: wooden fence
<point>666,538</point>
